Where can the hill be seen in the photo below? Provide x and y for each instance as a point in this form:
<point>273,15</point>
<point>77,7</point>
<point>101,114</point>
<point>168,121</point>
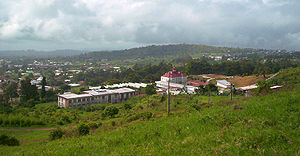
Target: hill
<point>160,51</point>
<point>38,54</point>
<point>265,124</point>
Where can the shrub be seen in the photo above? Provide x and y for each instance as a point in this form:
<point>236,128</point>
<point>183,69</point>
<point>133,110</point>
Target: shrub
<point>71,131</point>
<point>93,125</point>
<point>8,140</point>
<point>196,107</point>
<point>144,116</point>
<point>56,134</point>
<point>110,111</point>
<point>83,129</point>
<point>113,123</point>
<point>127,106</point>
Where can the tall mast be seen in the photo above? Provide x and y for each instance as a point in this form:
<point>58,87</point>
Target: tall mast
<point>168,104</point>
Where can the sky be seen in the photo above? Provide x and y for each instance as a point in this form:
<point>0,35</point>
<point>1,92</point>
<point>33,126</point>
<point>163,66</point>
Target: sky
<point>121,24</point>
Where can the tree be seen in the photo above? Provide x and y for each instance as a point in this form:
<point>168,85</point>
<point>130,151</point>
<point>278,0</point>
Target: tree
<point>150,90</point>
<point>65,87</point>
<point>43,92</point>
<point>83,129</point>
<point>28,91</point>
<point>110,111</point>
<point>10,91</point>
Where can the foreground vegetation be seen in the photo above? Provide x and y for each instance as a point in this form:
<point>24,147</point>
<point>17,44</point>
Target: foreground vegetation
<point>260,125</point>
<point>266,124</point>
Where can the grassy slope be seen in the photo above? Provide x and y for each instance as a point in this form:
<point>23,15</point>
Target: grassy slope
<point>266,125</point>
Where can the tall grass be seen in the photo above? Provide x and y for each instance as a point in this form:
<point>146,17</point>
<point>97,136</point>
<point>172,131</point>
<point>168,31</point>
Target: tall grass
<point>18,121</point>
<point>264,125</point>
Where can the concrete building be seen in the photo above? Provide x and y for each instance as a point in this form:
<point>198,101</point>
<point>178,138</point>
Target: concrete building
<point>175,88</point>
<point>223,84</point>
<point>71,100</point>
<point>178,83</point>
<point>121,85</point>
<point>174,76</point>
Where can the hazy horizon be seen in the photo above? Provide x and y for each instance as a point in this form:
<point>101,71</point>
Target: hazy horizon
<point>97,25</point>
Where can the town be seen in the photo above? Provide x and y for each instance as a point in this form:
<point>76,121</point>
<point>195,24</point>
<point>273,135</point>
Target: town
<point>140,77</point>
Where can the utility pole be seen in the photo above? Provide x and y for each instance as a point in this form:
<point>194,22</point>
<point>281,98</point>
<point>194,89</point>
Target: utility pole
<point>168,104</point>
<point>208,93</point>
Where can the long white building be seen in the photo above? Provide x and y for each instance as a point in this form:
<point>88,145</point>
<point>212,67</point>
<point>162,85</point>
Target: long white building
<point>71,100</point>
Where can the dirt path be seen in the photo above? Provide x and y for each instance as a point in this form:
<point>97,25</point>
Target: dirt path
<point>37,129</point>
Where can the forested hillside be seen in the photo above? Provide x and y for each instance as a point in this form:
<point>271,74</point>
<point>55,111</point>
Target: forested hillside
<point>159,51</point>
<point>39,53</point>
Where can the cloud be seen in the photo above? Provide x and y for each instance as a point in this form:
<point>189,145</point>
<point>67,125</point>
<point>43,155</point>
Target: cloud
<point>116,24</point>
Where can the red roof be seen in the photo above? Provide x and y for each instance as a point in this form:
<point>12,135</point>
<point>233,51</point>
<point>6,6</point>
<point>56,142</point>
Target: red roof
<point>173,74</point>
<point>159,92</point>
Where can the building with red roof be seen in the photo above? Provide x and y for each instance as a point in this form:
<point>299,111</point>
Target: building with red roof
<point>174,77</point>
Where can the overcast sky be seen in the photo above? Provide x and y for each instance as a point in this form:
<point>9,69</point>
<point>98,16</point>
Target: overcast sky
<point>119,24</point>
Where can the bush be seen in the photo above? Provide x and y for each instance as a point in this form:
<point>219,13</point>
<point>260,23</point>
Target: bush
<point>83,129</point>
<point>9,140</point>
<point>113,123</point>
<point>19,121</point>
<point>93,125</point>
<point>110,111</point>
<point>127,106</point>
<point>197,107</point>
<point>56,134</point>
<point>144,116</point>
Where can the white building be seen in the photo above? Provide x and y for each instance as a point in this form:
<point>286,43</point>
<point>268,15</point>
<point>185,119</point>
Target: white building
<point>174,77</point>
<point>175,88</point>
<point>223,84</point>
<point>178,83</point>
<point>95,96</point>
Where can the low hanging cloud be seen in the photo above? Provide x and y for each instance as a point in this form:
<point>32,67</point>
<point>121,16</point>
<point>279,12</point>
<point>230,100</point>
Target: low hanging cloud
<point>117,24</point>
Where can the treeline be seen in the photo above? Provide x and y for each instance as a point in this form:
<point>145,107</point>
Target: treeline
<point>25,94</point>
<point>242,67</point>
<point>157,51</point>
<point>150,73</point>
<point>138,73</point>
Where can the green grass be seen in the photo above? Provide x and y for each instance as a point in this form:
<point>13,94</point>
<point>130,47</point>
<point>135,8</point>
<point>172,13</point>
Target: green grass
<point>267,125</point>
<point>260,125</point>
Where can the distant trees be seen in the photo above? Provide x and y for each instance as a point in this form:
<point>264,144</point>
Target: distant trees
<point>150,90</point>
<point>243,67</point>
<point>138,73</point>
<point>28,91</point>
<point>10,91</point>
<point>44,83</point>
<point>198,67</point>
<point>206,90</point>
<point>65,87</point>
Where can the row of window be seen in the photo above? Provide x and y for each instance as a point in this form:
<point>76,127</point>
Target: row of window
<point>100,97</point>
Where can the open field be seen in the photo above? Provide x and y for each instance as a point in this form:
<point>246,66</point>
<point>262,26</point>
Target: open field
<point>238,81</point>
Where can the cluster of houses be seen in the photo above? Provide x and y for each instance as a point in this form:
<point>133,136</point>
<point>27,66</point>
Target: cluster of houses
<point>177,83</point>
<point>174,81</point>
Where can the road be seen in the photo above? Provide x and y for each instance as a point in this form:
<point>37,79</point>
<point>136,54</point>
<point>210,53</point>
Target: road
<point>36,129</point>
